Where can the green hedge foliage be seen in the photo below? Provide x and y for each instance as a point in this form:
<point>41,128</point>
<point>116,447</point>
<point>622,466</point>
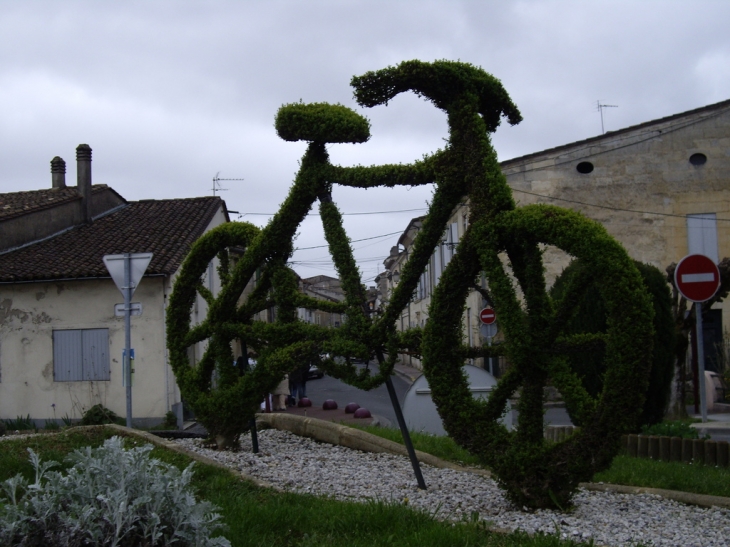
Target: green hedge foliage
<point>503,241</point>
<point>590,318</point>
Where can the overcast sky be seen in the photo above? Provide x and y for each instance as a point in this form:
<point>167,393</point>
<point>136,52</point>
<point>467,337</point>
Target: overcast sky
<point>170,93</point>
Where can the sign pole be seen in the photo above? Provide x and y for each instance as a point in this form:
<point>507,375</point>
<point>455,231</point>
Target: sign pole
<point>128,333</point>
<point>701,360</point>
<point>126,271</point>
<point>697,278</point>
<point>489,345</point>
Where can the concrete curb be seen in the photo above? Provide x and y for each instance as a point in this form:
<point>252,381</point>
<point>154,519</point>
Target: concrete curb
<point>350,437</point>
<point>701,500</point>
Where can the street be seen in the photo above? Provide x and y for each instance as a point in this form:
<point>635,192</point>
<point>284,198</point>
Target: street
<point>376,401</point>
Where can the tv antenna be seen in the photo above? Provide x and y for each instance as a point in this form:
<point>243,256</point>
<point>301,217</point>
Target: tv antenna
<point>217,185</point>
<point>600,109</point>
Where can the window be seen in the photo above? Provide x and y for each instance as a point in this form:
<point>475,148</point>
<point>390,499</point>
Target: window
<point>698,159</point>
<point>451,238</point>
<point>702,235</point>
<point>81,355</point>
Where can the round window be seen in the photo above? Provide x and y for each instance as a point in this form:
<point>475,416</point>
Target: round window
<point>584,167</point>
<point>698,159</point>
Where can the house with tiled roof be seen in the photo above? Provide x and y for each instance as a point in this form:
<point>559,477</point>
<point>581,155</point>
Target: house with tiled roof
<point>61,343</point>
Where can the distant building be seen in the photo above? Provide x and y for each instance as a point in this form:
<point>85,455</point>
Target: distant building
<point>322,287</point>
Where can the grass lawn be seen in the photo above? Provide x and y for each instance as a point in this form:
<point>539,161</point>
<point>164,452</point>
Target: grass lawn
<point>257,516</point>
<point>441,447</point>
<point>698,479</point>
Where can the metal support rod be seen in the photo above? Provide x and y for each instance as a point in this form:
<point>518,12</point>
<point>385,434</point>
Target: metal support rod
<point>128,332</point>
<point>701,361</point>
<point>254,437</point>
<point>403,428</point>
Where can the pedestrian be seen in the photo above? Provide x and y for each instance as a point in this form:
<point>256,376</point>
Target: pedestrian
<point>281,394</point>
<point>299,381</point>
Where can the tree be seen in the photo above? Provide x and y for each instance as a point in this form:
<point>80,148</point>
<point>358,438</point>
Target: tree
<point>502,240</point>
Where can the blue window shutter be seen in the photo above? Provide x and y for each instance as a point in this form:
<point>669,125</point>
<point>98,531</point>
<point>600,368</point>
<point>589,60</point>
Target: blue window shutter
<point>67,356</point>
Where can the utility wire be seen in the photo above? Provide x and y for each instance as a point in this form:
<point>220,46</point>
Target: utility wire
<point>609,206</point>
<point>353,241</point>
<point>347,214</point>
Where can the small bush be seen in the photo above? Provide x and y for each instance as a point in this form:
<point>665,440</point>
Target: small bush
<point>671,429</point>
<point>99,415</point>
<point>20,424</point>
<point>51,425</point>
<point>170,419</point>
<point>111,496</point>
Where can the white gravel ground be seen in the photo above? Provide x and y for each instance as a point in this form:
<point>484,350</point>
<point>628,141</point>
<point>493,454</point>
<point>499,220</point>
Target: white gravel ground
<point>303,465</point>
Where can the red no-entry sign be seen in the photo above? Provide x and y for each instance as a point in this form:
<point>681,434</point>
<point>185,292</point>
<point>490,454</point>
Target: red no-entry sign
<point>697,278</point>
<point>487,316</point>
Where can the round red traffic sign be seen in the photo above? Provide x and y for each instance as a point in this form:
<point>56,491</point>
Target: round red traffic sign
<point>487,316</point>
<point>697,278</point>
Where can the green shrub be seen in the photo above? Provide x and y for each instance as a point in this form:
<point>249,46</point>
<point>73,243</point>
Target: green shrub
<point>20,424</point>
<point>591,317</point>
<point>111,496</point>
<point>672,429</point>
<point>170,419</point>
<point>99,415</point>
<point>51,425</point>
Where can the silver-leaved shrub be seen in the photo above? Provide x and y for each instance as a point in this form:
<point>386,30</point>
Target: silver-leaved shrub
<point>112,497</point>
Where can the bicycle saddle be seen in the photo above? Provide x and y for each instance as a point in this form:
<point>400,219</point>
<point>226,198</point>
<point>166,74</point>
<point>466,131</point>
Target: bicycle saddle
<point>321,123</point>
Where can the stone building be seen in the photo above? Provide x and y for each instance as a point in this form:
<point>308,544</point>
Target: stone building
<point>321,287</point>
<point>662,188</point>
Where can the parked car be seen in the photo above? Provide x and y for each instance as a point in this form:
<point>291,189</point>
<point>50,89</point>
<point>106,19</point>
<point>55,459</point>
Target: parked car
<point>314,373</point>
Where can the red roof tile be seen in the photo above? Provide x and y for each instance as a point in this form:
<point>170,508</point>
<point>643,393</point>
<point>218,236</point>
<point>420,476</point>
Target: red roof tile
<point>14,204</point>
<point>166,228</point>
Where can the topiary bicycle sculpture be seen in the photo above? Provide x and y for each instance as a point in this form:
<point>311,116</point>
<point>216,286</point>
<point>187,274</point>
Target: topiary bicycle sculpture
<point>503,241</point>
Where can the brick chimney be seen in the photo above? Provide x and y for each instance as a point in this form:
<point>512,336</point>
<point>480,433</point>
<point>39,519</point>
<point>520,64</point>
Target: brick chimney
<point>83,178</point>
<point>58,173</point>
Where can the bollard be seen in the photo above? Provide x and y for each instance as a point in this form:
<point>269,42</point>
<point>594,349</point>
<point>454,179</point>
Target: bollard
<point>654,447</point>
<point>664,449</point>
<point>686,450</point>
<point>723,454</point>
<point>711,453</point>
<point>643,446</point>
<point>633,446</point>
<point>698,451</point>
<point>675,449</point>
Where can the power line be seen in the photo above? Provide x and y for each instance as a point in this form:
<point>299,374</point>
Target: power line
<point>347,214</point>
<point>353,241</point>
<point>610,207</point>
